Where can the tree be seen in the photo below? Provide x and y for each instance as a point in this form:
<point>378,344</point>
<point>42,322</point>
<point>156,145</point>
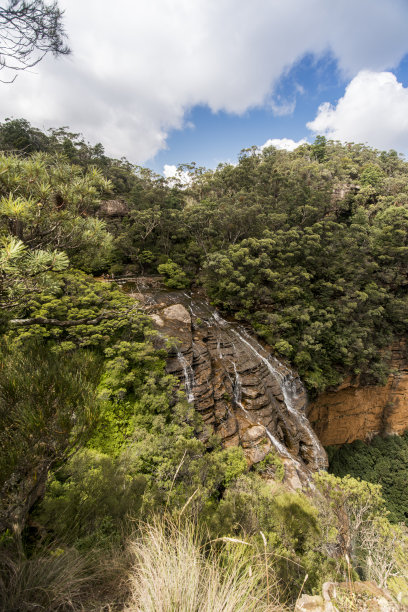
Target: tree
<point>28,31</point>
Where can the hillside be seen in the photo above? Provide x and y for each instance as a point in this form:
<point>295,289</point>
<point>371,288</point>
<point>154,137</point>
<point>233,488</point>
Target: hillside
<point>125,423</point>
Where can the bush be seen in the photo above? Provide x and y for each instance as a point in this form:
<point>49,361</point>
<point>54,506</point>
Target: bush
<point>175,278</point>
<point>383,461</point>
<point>58,581</point>
<point>48,406</point>
<point>91,499</point>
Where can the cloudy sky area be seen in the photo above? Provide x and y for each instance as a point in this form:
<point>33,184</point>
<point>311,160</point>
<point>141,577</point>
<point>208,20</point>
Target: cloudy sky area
<point>171,81</point>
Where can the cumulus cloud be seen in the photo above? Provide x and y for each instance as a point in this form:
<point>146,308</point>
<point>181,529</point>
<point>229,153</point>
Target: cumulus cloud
<point>283,143</point>
<point>374,109</point>
<point>137,68</point>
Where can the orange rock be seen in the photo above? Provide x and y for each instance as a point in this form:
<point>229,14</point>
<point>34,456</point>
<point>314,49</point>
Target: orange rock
<point>354,412</point>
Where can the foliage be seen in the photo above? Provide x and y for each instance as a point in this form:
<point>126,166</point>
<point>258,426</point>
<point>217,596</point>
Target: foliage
<point>309,246</point>
<point>383,461</point>
<point>46,404</point>
<point>52,581</point>
<point>24,272</point>
<point>175,278</point>
<point>162,466</point>
<point>49,204</point>
<point>289,522</point>
<point>90,498</point>
<point>173,572</point>
<point>363,534</point>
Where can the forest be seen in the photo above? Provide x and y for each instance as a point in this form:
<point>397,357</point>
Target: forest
<point>109,497</point>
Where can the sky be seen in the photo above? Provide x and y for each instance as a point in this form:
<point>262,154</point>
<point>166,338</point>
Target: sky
<point>165,82</point>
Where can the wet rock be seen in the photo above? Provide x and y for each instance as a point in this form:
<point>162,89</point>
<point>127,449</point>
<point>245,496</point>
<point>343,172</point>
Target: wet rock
<point>177,312</point>
<point>242,392</point>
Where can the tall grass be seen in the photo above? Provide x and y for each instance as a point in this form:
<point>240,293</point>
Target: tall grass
<point>53,582</point>
<point>164,568</point>
<point>172,572</point>
<point>64,581</point>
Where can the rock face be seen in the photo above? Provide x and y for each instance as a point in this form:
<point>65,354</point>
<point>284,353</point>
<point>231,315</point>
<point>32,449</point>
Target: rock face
<point>341,190</point>
<point>354,412</point>
<point>113,208</point>
<point>242,392</point>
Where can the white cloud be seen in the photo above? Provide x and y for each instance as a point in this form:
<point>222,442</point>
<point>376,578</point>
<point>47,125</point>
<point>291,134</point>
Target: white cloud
<point>175,175</point>
<point>137,68</point>
<point>283,143</point>
<point>169,170</point>
<point>374,109</point>
<point>282,108</point>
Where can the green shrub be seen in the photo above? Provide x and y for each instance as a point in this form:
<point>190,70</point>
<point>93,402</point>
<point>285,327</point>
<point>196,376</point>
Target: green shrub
<point>383,461</point>
<point>175,278</point>
<point>90,498</point>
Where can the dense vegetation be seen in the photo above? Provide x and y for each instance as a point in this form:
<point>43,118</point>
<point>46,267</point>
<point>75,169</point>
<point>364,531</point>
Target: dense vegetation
<point>95,435</point>
<point>383,461</point>
<point>310,246</point>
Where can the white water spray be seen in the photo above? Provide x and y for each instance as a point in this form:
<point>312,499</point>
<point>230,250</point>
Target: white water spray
<point>188,376</point>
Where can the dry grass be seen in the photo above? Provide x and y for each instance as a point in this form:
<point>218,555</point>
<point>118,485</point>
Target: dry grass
<point>53,582</point>
<point>173,573</point>
<point>165,568</point>
<point>65,581</point>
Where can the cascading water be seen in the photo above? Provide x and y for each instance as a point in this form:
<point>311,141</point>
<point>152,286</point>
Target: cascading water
<point>289,389</point>
<point>188,376</point>
<point>244,394</point>
<point>237,388</point>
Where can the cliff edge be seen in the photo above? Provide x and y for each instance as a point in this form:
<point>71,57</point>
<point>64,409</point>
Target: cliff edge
<point>359,412</point>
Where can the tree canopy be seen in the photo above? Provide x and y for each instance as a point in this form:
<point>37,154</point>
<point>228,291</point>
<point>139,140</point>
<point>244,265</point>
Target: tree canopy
<point>310,247</point>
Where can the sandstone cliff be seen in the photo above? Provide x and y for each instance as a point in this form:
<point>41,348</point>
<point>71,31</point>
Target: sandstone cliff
<point>242,392</point>
<point>354,412</point>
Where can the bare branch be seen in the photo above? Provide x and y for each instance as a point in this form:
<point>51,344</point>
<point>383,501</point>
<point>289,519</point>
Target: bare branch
<point>29,29</point>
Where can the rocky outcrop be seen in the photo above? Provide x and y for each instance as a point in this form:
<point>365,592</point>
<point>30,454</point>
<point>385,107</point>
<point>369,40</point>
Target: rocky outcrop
<point>357,412</point>
<point>341,190</point>
<point>113,208</point>
<point>339,596</point>
<point>243,394</point>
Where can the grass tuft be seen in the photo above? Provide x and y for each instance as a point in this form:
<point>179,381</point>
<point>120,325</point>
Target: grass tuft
<point>173,572</point>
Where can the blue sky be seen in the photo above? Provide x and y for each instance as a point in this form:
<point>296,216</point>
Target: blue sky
<point>164,82</point>
<point>212,138</point>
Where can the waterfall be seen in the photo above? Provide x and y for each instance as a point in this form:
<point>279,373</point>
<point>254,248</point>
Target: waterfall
<point>287,384</point>
<point>237,386</point>
<point>188,376</point>
<point>288,387</point>
<point>228,362</point>
<point>279,447</point>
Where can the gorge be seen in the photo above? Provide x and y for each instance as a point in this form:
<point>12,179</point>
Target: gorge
<point>250,399</point>
<point>188,354</point>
